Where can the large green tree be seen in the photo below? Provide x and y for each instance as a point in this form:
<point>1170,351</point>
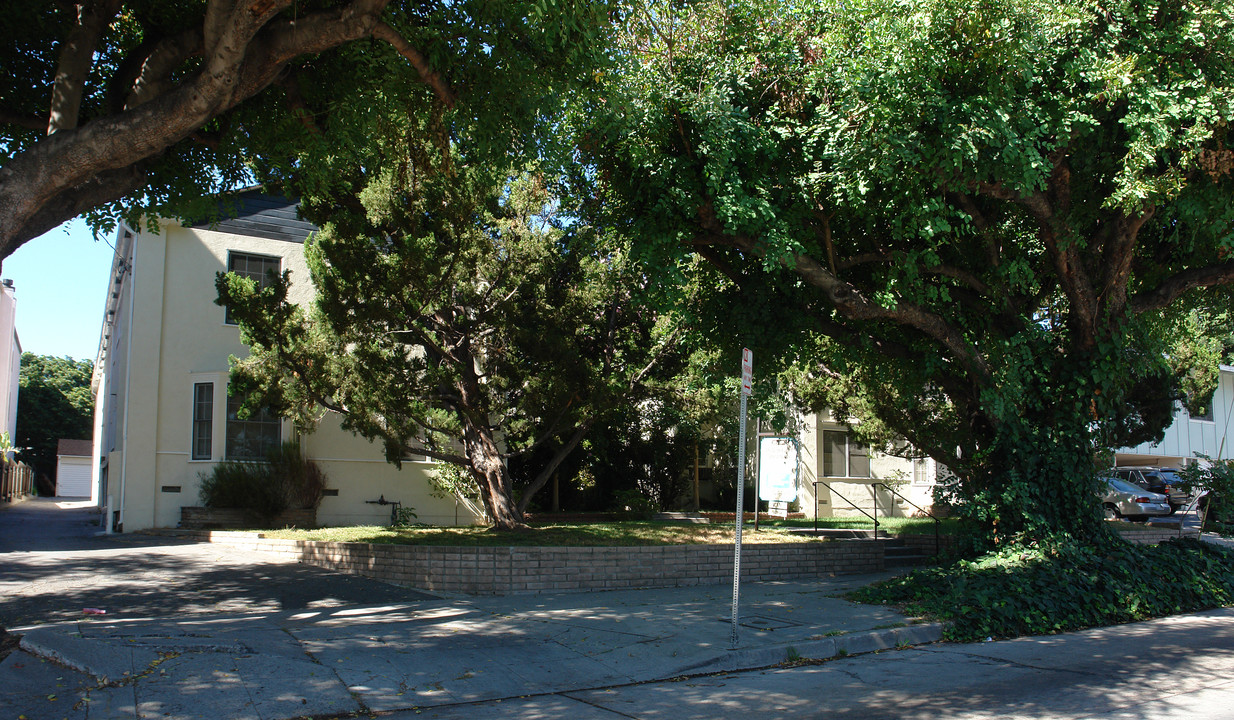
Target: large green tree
<point>454,317</point>
<point>959,220</point>
<point>54,403</point>
<point>114,108</point>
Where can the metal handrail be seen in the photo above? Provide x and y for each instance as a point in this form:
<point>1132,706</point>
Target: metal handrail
<point>873,517</point>
<point>937,522</point>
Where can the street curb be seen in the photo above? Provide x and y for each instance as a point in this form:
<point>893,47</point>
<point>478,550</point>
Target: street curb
<point>858,643</point>
<point>104,662</point>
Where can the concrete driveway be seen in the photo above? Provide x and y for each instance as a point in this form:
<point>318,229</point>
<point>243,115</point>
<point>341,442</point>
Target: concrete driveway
<point>53,565</point>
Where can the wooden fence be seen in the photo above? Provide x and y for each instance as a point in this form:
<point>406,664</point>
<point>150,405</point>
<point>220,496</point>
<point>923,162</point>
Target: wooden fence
<point>16,480</point>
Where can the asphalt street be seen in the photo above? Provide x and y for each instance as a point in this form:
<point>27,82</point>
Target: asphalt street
<point>54,565</point>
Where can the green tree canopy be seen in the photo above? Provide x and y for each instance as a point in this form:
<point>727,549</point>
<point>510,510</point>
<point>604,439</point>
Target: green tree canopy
<point>54,403</point>
<point>454,317</point>
<point>115,108</point>
<point>968,217</point>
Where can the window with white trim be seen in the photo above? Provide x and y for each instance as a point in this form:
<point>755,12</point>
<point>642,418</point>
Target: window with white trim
<point>203,421</point>
<point>255,267</point>
<point>1205,414</point>
<point>254,437</point>
<point>844,458</point>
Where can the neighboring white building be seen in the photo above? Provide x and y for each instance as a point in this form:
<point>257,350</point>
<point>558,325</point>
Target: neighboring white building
<point>162,413</point>
<point>1209,435</point>
<point>10,360</point>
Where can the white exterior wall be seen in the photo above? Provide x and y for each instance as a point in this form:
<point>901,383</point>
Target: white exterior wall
<point>10,361</point>
<point>179,338</point>
<point>1187,436</point>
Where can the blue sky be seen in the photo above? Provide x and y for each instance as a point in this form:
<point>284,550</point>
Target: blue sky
<point>60,280</point>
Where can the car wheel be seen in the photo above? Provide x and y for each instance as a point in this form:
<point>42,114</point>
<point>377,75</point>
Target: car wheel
<point>1111,512</point>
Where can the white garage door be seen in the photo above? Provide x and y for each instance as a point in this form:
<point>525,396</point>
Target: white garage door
<point>73,477</point>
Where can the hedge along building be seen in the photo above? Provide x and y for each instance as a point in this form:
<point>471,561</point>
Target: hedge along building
<point>162,413</point>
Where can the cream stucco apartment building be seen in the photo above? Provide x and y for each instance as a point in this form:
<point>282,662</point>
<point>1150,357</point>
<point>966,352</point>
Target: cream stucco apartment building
<point>162,414</point>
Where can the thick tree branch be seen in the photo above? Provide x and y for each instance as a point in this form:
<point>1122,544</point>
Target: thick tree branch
<point>76,58</point>
<point>547,471</point>
<point>240,64</point>
<point>431,77</point>
<point>102,189</point>
<point>852,303</point>
<point>972,281</point>
<point>1174,286</point>
<point>154,74</point>
<point>1118,256</point>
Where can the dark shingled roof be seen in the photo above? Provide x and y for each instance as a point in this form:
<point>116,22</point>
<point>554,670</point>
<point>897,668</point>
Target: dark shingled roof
<point>255,214</point>
<point>83,448</point>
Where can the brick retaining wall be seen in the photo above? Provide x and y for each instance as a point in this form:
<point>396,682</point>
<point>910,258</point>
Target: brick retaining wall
<point>522,570</point>
<point>1152,537</point>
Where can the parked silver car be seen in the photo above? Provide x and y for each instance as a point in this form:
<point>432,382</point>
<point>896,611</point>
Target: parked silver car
<point>1164,480</point>
<point>1124,500</point>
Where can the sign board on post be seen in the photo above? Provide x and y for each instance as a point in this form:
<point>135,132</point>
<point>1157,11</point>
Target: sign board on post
<point>747,371</point>
<point>777,469</point>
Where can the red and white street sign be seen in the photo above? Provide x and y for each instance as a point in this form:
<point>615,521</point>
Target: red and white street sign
<point>747,371</point>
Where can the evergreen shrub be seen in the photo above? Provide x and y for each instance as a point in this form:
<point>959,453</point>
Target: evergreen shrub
<point>283,481</point>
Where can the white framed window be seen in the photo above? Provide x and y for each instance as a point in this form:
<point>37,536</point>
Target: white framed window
<point>252,438</point>
<point>453,445</point>
<point>1206,416</point>
<point>203,421</point>
<point>844,458</point>
<point>256,267</point>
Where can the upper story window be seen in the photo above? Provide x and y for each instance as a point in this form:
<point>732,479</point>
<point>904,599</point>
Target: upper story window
<point>256,267</point>
<point>844,458</point>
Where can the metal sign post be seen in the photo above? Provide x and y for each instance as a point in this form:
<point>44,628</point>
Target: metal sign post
<point>747,366</point>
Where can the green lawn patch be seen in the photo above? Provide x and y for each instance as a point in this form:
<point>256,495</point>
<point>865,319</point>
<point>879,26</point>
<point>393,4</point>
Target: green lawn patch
<point>612,532</point>
<point>1044,589</point>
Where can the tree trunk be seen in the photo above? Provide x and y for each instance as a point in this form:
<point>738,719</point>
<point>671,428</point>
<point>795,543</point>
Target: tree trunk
<point>492,478</point>
<point>1037,474</point>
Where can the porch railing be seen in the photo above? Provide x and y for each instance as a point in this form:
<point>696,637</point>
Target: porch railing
<point>874,517</point>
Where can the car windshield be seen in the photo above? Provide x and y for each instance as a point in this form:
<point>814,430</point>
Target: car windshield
<point>1171,477</point>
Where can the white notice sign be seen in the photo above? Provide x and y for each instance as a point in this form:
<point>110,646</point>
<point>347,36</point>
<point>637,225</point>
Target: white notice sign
<point>747,371</point>
<point>777,469</point>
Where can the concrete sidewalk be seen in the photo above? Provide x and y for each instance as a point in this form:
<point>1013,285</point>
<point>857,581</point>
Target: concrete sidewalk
<point>334,661</point>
